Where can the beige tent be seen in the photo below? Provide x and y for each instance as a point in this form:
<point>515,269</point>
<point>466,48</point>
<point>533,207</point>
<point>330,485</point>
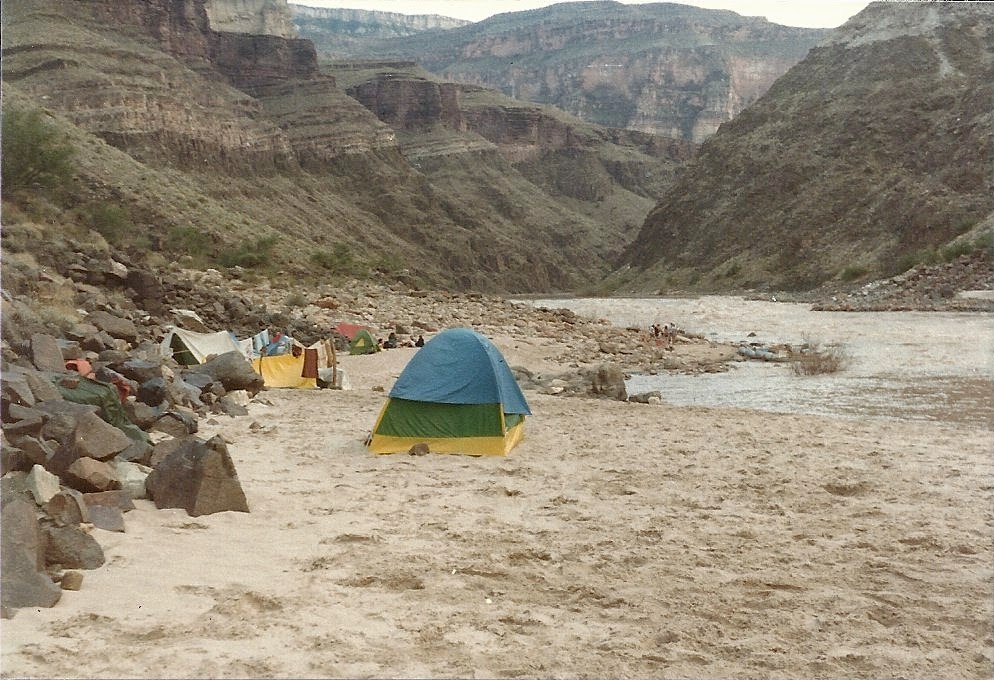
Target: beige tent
<point>189,348</point>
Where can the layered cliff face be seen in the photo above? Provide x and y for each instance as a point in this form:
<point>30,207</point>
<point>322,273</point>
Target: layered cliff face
<point>226,147</point>
<point>334,27</point>
<point>162,99</point>
<point>875,148</point>
<point>257,17</point>
<point>667,69</point>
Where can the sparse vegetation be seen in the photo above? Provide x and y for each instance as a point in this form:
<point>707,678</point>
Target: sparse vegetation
<point>340,260</point>
<point>295,299</point>
<point>853,272</point>
<point>188,241</point>
<point>109,220</point>
<point>35,154</point>
<point>250,256</point>
<point>814,358</point>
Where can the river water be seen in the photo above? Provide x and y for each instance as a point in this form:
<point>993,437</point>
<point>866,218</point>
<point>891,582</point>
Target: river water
<point>935,366</point>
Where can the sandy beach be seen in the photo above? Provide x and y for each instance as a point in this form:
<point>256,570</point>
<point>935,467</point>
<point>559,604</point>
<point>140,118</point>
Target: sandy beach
<point>618,540</point>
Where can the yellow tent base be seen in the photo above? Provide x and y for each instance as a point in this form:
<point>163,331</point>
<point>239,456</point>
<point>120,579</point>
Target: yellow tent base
<point>283,370</point>
<point>470,446</point>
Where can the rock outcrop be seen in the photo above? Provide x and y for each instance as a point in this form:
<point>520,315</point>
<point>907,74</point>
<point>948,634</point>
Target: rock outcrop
<point>256,17</point>
<point>666,69</point>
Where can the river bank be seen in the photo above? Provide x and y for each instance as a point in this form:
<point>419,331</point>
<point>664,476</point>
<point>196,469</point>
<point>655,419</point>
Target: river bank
<point>619,539</point>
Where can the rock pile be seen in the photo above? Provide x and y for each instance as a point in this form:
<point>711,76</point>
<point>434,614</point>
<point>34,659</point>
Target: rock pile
<point>942,287</point>
<point>86,432</point>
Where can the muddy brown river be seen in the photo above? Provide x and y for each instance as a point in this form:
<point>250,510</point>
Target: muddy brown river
<point>900,365</point>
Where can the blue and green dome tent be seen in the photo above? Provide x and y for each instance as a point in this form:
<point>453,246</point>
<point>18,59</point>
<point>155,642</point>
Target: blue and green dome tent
<point>457,395</point>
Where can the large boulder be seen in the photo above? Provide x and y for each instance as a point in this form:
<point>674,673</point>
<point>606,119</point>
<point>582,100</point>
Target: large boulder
<point>608,380</point>
<point>233,371</point>
<point>23,581</point>
<point>199,477</point>
<point>89,475</point>
<point>70,547</point>
<point>114,326</point>
<point>46,354</point>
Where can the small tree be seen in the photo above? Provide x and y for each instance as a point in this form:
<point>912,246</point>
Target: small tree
<point>35,154</point>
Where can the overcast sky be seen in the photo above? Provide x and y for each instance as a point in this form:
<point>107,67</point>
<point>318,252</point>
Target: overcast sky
<point>808,13</point>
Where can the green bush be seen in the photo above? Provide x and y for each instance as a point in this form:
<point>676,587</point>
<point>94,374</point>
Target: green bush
<point>188,241</point>
<point>339,260</point>
<point>109,220</point>
<point>250,256</point>
<point>985,242</point>
<point>853,272</point>
<point>35,154</point>
<point>954,250</point>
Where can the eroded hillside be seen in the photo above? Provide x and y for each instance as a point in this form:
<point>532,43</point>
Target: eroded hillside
<point>872,154</point>
<point>236,149</point>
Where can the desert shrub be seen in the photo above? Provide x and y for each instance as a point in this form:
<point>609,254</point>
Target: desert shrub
<point>34,153</point>
<point>853,272</point>
<point>813,358</point>
<point>187,241</point>
<point>911,260</point>
<point>339,260</point>
<point>985,242</point>
<point>251,255</point>
<point>109,220</point>
<point>954,250</point>
<point>388,264</point>
<point>296,299</point>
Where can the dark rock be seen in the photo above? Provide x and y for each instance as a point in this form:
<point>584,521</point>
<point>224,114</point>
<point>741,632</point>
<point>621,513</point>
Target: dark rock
<point>107,517</point>
<point>143,415</point>
<point>14,486</point>
<point>152,392</point>
<point>95,438</point>
<point>114,326</point>
<point>113,357</point>
<point>23,582</point>
<point>176,423</point>
<point>199,477</point>
<point>81,331</point>
<point>182,393</point>
<point>14,389</point>
<point>38,451</point>
<point>139,370</point>
<point>67,508</point>
<point>119,499</point>
<point>13,459</point>
<point>46,354</point>
<point>28,427</point>
<point>233,371</point>
<point>163,449</point>
<point>98,342</point>
<point>72,548</point>
<point>138,452</point>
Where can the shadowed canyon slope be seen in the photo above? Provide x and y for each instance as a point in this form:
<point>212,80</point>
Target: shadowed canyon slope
<point>213,143</point>
<point>208,147</point>
<point>663,68</point>
<point>873,149</point>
